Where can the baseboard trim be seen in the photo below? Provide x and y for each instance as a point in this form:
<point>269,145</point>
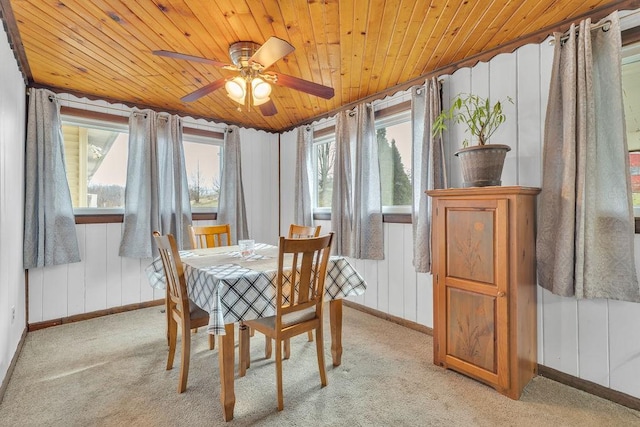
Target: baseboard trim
<point>12,365</point>
<point>92,315</point>
<point>391,318</point>
<point>590,387</point>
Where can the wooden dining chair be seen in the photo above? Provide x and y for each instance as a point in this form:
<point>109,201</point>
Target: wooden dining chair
<point>301,232</point>
<point>302,262</point>
<point>210,236</point>
<point>181,311</point>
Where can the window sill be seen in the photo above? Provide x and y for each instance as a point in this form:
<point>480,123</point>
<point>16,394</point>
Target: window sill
<point>391,218</point>
<point>119,218</point>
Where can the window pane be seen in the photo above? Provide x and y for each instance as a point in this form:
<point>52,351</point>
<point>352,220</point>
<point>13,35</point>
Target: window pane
<point>394,152</point>
<point>96,162</point>
<point>203,162</point>
<point>324,154</point>
<point>631,97</point>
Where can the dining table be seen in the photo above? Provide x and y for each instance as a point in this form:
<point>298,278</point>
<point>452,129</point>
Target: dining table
<point>234,287</point>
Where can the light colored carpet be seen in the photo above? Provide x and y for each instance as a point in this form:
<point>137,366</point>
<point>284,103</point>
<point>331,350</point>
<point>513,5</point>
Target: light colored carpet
<point>110,371</point>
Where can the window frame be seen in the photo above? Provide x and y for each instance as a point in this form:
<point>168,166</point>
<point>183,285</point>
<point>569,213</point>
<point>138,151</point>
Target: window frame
<point>387,116</point>
<point>108,215</point>
<point>102,122</point>
<point>199,138</point>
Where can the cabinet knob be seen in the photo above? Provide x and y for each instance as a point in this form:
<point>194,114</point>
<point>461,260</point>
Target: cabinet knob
<point>501,294</point>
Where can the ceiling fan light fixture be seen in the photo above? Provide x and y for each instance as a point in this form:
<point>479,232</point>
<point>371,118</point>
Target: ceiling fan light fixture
<point>260,89</point>
<point>236,89</point>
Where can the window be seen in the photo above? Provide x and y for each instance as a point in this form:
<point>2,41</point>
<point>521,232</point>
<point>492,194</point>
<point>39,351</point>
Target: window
<point>393,134</point>
<point>324,154</point>
<point>96,154</point>
<point>631,97</point>
<point>394,154</point>
<point>203,160</point>
<point>96,162</point>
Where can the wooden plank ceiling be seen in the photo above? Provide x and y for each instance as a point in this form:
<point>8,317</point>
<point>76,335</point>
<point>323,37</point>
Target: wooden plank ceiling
<point>361,48</point>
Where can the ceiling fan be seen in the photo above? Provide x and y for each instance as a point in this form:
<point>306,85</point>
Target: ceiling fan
<point>252,84</point>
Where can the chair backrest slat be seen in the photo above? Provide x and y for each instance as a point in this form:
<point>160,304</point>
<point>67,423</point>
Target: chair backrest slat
<point>303,232</point>
<point>210,236</point>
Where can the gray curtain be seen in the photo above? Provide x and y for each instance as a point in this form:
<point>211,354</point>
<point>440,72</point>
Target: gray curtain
<point>231,207</point>
<point>341,198</point>
<point>156,194</point>
<point>428,168</point>
<point>367,239</point>
<point>49,223</point>
<point>303,207</point>
<point>586,226</point>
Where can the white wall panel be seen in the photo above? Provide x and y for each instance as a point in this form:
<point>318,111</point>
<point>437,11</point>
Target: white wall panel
<point>410,289</point>
<point>593,341</point>
<point>624,346</point>
<point>458,82</point>
<point>287,180</point>
<point>54,292</point>
<point>560,336</point>
<point>75,289</point>
<point>370,275</point>
<point>95,267</point>
<point>36,295</point>
<point>130,281</point>
<point>529,115</point>
<point>396,269</point>
<point>424,299</point>
<point>113,265</point>
<point>502,81</point>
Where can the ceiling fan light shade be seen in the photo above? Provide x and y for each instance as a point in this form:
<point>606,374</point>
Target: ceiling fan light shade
<point>260,89</point>
<point>236,89</point>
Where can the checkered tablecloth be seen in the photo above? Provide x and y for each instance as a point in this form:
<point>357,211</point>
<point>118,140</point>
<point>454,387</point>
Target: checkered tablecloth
<point>231,288</point>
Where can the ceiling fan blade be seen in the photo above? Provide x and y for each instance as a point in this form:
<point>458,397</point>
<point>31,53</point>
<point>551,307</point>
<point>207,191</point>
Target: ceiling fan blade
<point>176,55</point>
<point>312,88</point>
<point>268,108</point>
<point>203,91</point>
<point>271,51</point>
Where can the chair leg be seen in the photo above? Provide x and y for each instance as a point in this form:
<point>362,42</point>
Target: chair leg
<point>287,348</point>
<point>172,332</point>
<point>320,351</point>
<point>267,347</point>
<point>212,341</point>
<point>310,336</point>
<point>167,311</point>
<point>243,349</point>
<point>279,374</point>
<point>184,362</point>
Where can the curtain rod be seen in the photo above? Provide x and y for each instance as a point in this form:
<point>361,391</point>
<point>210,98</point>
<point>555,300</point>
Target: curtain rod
<point>604,25</point>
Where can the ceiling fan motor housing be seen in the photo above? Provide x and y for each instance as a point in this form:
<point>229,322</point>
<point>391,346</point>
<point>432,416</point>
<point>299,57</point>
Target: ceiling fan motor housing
<point>241,52</point>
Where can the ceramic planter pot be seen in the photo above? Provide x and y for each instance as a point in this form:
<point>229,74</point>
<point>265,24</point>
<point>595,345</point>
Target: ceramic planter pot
<point>482,164</point>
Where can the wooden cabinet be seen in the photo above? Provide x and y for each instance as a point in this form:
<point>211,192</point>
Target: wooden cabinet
<point>484,291</point>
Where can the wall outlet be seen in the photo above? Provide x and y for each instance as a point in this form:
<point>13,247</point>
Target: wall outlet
<point>13,314</point>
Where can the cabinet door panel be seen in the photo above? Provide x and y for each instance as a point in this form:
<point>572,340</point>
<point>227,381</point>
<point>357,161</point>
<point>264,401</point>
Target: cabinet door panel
<point>470,244</point>
<point>471,328</point>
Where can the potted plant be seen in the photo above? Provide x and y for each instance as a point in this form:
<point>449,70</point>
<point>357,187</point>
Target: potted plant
<point>481,163</point>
